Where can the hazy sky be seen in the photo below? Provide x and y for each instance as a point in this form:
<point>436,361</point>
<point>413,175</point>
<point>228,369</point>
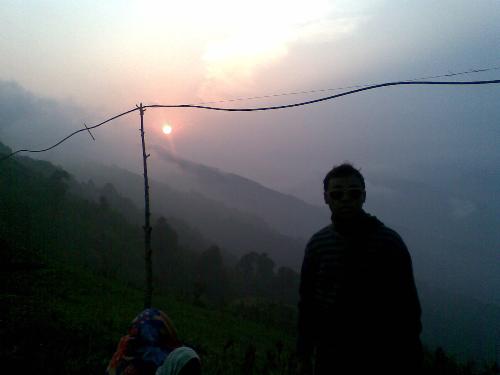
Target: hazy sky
<point>82,61</point>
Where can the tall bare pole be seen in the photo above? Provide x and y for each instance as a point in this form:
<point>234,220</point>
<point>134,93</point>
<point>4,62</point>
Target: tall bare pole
<point>147,228</point>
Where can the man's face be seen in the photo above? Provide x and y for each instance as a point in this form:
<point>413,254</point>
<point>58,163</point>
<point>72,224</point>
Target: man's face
<point>345,196</point>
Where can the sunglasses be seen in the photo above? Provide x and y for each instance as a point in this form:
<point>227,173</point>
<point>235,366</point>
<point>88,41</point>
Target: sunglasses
<point>353,194</point>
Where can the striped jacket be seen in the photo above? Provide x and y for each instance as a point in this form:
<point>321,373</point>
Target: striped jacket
<point>357,292</point>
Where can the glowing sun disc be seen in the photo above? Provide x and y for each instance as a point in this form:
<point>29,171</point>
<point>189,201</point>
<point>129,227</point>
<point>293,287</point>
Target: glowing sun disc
<point>167,129</point>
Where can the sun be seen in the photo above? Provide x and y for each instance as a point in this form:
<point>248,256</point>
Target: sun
<point>167,129</point>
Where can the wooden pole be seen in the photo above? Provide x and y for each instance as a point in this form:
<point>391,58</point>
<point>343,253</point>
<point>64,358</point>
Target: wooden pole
<point>147,227</point>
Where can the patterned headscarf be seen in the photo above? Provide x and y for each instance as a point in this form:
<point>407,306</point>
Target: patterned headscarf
<point>151,337</point>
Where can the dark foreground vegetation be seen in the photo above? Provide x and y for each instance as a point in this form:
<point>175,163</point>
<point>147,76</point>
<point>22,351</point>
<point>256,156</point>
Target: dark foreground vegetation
<point>71,280</point>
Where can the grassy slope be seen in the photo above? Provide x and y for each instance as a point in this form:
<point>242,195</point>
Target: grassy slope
<point>66,320</point>
<point>59,316</point>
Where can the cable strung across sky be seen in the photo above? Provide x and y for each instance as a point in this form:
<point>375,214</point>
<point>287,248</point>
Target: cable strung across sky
<point>471,71</point>
<point>365,88</point>
<point>321,99</point>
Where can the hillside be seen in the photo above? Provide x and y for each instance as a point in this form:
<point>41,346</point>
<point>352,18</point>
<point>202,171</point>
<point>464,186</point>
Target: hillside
<point>438,271</point>
<point>451,234</point>
<point>230,227</point>
<point>59,319</point>
<point>284,213</point>
<point>70,283</point>
<point>47,230</point>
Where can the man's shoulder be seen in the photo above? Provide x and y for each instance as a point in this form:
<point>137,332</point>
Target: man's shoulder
<point>325,234</point>
<point>323,231</point>
<point>384,230</point>
<point>390,239</point>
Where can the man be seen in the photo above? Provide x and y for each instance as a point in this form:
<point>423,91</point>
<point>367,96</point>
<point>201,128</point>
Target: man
<point>359,311</point>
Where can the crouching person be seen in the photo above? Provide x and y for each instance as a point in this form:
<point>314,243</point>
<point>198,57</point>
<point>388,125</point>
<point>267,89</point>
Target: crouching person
<point>152,347</point>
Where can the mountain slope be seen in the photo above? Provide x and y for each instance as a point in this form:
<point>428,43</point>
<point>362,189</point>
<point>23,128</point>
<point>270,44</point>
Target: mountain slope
<point>284,213</point>
<point>235,230</point>
<point>465,327</point>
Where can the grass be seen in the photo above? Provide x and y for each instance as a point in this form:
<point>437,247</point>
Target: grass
<point>57,318</point>
<point>69,320</point>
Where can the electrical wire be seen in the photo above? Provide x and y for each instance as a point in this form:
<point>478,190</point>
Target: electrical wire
<point>471,71</point>
<point>364,88</point>
<point>72,134</point>
<point>322,99</point>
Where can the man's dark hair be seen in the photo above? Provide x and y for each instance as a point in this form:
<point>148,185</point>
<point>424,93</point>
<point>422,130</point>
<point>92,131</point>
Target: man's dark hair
<point>343,170</point>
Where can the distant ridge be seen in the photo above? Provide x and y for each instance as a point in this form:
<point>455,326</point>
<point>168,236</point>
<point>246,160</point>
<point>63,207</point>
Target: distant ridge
<point>283,212</point>
<point>233,229</point>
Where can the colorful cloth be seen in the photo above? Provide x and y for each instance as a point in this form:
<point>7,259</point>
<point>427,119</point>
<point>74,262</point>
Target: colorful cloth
<point>150,339</point>
<point>176,361</point>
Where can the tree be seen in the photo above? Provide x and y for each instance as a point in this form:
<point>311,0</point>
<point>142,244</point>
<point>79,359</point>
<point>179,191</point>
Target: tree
<point>58,184</point>
<point>265,275</point>
<point>164,237</point>
<point>287,285</point>
<point>246,270</point>
<point>212,274</point>
<point>169,265</point>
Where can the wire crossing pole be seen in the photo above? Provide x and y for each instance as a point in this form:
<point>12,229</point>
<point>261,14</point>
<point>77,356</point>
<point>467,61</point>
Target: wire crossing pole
<point>147,228</point>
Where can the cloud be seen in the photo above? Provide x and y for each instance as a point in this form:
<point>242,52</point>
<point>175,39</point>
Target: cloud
<point>327,30</point>
<point>16,104</point>
<point>263,39</point>
<point>461,208</point>
<point>231,63</point>
<point>35,121</point>
<point>380,190</point>
<point>29,121</point>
